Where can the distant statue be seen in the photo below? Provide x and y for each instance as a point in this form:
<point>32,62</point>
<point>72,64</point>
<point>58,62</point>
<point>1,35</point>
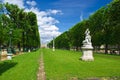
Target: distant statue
<point>87,47</point>
<point>87,40</point>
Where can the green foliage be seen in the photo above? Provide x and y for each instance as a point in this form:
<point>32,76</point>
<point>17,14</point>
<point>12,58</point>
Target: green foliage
<point>104,26</point>
<point>76,34</point>
<point>23,24</point>
<point>22,67</point>
<point>62,41</point>
<point>64,65</point>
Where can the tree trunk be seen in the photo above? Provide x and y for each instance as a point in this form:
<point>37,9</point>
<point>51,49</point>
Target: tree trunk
<point>23,40</point>
<point>19,48</point>
<point>119,49</point>
<point>106,48</point>
<point>0,46</point>
<point>76,48</point>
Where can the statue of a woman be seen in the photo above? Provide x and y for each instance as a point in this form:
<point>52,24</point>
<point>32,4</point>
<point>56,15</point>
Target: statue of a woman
<point>87,40</point>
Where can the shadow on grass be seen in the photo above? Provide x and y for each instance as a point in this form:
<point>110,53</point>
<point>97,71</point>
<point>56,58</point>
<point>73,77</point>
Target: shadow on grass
<point>6,65</point>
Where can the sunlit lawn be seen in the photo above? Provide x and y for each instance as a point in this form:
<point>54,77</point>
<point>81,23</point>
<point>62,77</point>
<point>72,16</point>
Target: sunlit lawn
<point>60,65</point>
<point>22,67</point>
<point>65,65</point>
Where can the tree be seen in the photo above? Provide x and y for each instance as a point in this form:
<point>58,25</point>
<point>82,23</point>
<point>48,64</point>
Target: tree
<point>104,26</point>
<point>76,34</point>
<point>114,18</point>
<point>62,41</point>
<point>96,27</point>
<point>24,26</point>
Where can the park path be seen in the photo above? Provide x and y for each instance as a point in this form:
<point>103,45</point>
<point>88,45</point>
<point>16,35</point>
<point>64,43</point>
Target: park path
<point>41,72</point>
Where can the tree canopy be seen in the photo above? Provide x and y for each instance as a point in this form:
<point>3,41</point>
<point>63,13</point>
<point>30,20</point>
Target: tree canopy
<point>24,27</point>
<point>104,26</point>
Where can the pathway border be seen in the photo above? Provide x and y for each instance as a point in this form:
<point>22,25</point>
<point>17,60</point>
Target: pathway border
<point>41,72</point>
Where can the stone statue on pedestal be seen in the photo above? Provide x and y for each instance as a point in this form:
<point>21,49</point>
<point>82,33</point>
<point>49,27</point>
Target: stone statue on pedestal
<point>87,47</point>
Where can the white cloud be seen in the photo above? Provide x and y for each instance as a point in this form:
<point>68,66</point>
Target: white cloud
<point>51,28</point>
<point>47,20</point>
<point>48,36</point>
<point>81,17</point>
<point>20,3</point>
<point>54,11</point>
<point>31,3</point>
<point>46,23</point>
<point>47,27</point>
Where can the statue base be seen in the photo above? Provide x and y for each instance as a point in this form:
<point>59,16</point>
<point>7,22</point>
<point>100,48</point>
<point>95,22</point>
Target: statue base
<point>53,48</point>
<point>9,56</point>
<point>87,53</point>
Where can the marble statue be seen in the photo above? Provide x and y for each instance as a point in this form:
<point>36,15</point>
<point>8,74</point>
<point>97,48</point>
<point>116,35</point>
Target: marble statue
<point>87,41</point>
<point>87,47</point>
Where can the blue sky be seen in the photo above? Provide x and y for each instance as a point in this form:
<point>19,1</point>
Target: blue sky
<point>56,16</point>
<point>72,10</point>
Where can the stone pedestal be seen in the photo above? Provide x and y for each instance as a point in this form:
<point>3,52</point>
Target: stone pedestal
<point>9,56</point>
<point>53,48</point>
<point>29,50</point>
<point>87,54</point>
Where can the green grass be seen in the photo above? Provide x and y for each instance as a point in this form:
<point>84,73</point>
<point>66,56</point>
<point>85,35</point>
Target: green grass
<point>64,65</point>
<point>22,67</point>
<point>59,65</point>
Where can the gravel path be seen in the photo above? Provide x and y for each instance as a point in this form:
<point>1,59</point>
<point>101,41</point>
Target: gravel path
<point>41,72</point>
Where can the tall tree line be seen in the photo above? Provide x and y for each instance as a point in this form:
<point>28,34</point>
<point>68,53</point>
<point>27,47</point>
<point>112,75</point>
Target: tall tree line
<point>24,27</point>
<point>104,26</point>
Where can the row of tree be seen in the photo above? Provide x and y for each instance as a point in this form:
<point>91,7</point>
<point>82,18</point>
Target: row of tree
<point>23,25</point>
<point>104,26</point>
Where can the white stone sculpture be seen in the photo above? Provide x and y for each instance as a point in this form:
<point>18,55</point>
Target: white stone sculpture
<point>87,47</point>
<point>87,42</point>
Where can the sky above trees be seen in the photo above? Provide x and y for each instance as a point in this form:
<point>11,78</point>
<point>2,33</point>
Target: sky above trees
<point>57,16</point>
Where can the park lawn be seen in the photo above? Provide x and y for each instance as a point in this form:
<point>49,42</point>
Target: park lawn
<point>66,65</point>
<point>22,67</point>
